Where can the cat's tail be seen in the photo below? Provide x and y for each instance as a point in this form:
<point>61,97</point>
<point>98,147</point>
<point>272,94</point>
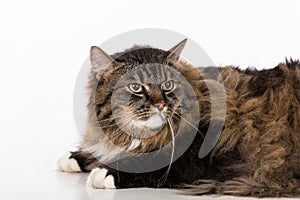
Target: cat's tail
<point>241,186</point>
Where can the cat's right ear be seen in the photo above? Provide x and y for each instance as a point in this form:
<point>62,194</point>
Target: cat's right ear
<point>175,52</point>
<point>100,61</point>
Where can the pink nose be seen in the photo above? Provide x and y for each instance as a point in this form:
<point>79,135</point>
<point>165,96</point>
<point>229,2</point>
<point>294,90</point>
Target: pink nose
<point>160,106</point>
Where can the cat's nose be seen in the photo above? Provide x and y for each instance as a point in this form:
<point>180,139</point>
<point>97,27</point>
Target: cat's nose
<point>160,106</point>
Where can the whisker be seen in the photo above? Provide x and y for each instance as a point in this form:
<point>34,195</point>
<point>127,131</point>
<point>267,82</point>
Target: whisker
<point>187,121</point>
<point>165,176</point>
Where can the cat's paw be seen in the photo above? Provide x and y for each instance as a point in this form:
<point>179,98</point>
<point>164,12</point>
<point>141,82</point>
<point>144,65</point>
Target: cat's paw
<point>67,164</point>
<point>98,179</point>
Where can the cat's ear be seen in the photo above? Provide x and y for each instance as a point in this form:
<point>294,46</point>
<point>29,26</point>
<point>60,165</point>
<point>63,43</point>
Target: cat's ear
<point>100,61</point>
<point>174,53</point>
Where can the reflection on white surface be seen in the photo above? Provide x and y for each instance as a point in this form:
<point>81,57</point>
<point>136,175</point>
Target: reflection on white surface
<point>60,185</point>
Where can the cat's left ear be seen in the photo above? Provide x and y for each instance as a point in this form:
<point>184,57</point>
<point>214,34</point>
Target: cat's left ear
<point>101,61</point>
<point>174,53</point>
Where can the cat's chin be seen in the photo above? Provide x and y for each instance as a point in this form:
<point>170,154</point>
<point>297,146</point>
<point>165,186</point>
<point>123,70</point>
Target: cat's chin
<point>156,121</point>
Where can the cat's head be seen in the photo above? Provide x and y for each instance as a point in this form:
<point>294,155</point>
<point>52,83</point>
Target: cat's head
<point>141,93</point>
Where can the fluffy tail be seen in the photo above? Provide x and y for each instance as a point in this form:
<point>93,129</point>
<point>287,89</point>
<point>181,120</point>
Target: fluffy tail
<point>242,186</point>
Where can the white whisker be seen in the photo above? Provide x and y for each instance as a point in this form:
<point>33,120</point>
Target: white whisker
<point>165,176</point>
<point>187,122</point>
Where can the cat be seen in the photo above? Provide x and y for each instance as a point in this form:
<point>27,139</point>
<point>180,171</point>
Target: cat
<point>145,100</point>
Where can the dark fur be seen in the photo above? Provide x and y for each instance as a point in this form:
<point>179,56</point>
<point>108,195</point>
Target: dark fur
<point>258,152</point>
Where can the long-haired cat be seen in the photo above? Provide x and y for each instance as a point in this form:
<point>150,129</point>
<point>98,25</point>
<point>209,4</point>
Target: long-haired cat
<point>146,100</point>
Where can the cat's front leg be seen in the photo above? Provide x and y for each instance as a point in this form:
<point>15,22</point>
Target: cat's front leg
<point>81,161</point>
<point>68,164</point>
<point>109,178</point>
<point>100,179</point>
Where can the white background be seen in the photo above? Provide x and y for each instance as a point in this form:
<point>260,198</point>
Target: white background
<point>44,43</point>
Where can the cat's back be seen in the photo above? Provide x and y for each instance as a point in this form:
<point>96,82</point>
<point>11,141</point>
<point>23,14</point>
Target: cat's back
<point>254,83</point>
<point>263,108</point>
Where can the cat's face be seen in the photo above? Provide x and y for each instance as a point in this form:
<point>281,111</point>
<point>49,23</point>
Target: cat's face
<point>146,97</point>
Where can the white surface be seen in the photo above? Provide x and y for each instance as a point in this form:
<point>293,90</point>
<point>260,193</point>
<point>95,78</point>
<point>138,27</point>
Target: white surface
<point>65,186</point>
<point>44,43</point>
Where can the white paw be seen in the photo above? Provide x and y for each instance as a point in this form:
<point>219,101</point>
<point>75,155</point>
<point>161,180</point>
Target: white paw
<point>98,179</point>
<point>67,164</point>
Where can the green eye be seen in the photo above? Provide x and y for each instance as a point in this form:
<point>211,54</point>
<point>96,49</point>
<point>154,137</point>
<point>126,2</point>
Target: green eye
<point>167,86</point>
<point>135,87</point>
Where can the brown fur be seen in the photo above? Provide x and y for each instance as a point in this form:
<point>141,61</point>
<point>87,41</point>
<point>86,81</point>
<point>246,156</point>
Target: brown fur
<point>262,130</point>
